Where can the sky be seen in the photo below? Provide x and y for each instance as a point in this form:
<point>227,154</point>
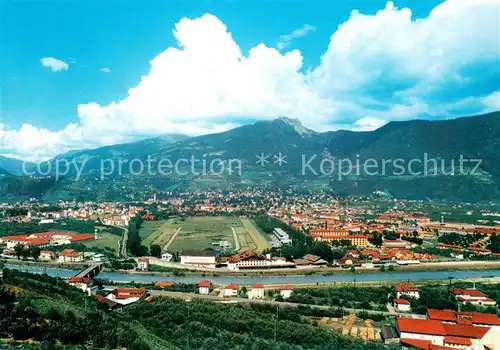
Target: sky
<point>83,74</point>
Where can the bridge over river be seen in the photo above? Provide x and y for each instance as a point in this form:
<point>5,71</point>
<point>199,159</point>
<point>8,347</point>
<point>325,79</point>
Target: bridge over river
<point>90,272</point>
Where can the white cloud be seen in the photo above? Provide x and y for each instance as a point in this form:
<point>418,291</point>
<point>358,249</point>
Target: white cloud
<point>105,70</point>
<point>376,68</point>
<point>286,39</point>
<point>54,64</point>
<point>368,124</point>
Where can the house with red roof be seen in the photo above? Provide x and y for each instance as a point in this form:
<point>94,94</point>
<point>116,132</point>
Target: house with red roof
<point>125,296</point>
<point>472,318</point>
<point>80,282</point>
<point>70,255</point>
<point>472,296</point>
<point>401,304</point>
<point>249,260</point>
<point>204,287</point>
<point>45,239</point>
<point>142,264</point>
<point>47,255</point>
<point>256,291</point>
<point>407,289</point>
<point>434,332</point>
<point>231,290</point>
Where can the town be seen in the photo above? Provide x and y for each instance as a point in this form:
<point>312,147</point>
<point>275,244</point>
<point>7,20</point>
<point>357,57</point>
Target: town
<point>277,233</point>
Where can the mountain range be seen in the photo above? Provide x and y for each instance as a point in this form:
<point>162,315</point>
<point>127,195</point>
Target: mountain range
<point>282,152</point>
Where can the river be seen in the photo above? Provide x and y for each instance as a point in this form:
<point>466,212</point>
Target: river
<point>245,280</point>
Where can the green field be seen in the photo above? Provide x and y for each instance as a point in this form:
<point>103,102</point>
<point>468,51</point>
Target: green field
<point>105,240</point>
<point>198,233</point>
<point>158,232</point>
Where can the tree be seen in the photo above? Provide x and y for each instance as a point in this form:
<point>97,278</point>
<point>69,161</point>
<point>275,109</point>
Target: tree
<point>353,269</point>
<point>19,249</point>
<point>391,268</point>
<point>376,240</point>
<point>26,254</point>
<point>35,252</point>
<point>382,268</point>
<point>155,250</point>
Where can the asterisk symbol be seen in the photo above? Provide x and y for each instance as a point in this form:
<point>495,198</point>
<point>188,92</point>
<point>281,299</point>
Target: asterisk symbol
<point>280,159</point>
<point>262,159</point>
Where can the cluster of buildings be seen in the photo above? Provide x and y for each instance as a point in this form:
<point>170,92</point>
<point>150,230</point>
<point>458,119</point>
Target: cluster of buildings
<point>110,213</point>
<point>376,257</point>
<point>250,260</point>
<point>450,330</point>
<point>45,239</point>
<point>444,329</point>
<point>280,238</point>
<point>472,296</point>
<point>332,235</point>
<point>458,252</point>
<point>246,260</point>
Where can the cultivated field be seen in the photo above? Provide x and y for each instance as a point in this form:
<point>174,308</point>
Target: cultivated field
<point>158,232</point>
<point>106,240</point>
<point>198,233</point>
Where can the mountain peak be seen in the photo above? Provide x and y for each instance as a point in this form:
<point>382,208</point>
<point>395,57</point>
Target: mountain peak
<point>295,124</point>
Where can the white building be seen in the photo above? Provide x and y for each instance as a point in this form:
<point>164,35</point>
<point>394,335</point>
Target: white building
<point>407,289</point>
<point>82,283</point>
<point>204,287</point>
<point>401,305</point>
<point>250,260</point>
<point>204,258</point>
<point>99,258</point>
<point>47,255</point>
<point>125,296</point>
<point>231,290</point>
<point>167,257</point>
<point>70,255</point>
<point>142,264</point>
<point>256,292</point>
<point>472,296</point>
<point>286,292</point>
<point>420,332</point>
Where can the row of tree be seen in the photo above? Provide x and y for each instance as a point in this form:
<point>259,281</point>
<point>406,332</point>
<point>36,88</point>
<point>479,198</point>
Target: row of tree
<point>26,252</point>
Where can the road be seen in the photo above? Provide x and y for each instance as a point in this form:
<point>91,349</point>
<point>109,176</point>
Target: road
<point>235,237</point>
<point>123,250</point>
<point>165,247</point>
<point>190,296</point>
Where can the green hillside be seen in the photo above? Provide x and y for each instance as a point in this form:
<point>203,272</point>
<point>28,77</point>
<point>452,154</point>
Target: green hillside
<point>49,314</point>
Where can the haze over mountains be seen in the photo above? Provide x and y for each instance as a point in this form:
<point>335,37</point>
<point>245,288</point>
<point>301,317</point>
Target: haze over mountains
<point>470,137</point>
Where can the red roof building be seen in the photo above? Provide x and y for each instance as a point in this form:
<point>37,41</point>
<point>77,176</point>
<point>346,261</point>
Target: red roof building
<point>443,334</point>
<point>472,296</point>
<point>474,318</point>
<point>407,289</point>
<point>204,284</point>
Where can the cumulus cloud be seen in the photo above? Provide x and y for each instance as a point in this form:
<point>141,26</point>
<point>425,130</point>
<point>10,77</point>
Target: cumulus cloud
<point>285,40</point>
<point>376,68</point>
<point>368,124</point>
<point>105,70</point>
<point>54,64</point>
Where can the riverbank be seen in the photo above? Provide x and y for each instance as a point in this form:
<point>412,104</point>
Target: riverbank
<point>295,280</point>
<point>175,269</point>
<point>180,270</point>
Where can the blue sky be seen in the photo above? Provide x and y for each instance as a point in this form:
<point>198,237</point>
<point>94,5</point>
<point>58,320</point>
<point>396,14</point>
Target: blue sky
<point>347,78</point>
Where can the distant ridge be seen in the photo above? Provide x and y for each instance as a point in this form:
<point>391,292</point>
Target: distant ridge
<point>476,137</point>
